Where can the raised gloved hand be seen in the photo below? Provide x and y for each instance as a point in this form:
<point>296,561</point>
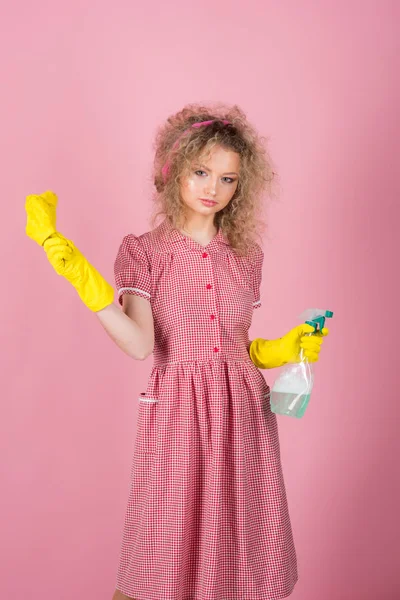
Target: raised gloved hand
<point>95,292</point>
<point>41,216</point>
<point>268,354</point>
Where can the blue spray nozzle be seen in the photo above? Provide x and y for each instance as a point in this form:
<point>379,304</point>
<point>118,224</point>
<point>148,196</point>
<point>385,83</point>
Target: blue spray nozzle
<point>316,317</point>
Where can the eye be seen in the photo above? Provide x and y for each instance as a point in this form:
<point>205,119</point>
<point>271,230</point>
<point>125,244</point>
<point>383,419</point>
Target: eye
<point>225,179</point>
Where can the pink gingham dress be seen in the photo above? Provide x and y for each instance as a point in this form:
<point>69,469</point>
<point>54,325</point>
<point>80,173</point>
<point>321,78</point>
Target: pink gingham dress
<point>207,515</point>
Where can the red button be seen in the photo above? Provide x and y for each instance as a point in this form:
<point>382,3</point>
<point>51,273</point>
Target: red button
<point>213,317</point>
<point>216,349</point>
<point>205,254</point>
<point>209,286</point>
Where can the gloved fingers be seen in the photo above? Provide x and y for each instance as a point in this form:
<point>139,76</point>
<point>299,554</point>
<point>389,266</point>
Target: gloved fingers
<point>311,352</point>
<point>312,358</point>
<point>48,198</point>
<point>38,209</point>
<point>57,247</point>
<point>303,329</point>
<point>57,254</point>
<point>310,348</point>
<point>41,216</point>
<point>57,239</point>
<point>311,339</point>
<point>321,333</point>
<point>50,242</point>
<point>318,335</point>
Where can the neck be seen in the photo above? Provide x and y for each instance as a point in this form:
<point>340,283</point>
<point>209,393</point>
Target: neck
<point>200,227</point>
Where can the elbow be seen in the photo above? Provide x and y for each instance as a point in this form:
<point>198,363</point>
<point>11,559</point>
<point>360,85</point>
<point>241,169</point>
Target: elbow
<point>141,356</point>
<point>146,346</point>
<point>146,353</point>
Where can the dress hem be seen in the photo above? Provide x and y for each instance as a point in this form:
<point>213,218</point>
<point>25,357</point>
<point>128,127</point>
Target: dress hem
<point>197,598</point>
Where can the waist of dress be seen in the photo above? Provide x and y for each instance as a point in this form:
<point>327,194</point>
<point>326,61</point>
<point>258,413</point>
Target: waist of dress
<point>215,353</point>
<point>224,360</point>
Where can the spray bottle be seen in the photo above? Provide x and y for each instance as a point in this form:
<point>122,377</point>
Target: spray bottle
<point>291,391</point>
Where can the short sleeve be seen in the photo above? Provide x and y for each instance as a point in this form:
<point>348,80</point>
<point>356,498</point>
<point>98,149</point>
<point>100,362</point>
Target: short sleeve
<point>258,260</point>
<point>132,269</point>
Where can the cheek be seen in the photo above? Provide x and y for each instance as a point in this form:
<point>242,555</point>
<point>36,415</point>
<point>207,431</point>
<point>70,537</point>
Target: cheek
<point>230,191</point>
<point>192,185</point>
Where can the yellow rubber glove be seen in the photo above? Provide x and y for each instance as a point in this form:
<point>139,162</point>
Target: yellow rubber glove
<point>41,216</point>
<point>95,292</point>
<point>268,354</point>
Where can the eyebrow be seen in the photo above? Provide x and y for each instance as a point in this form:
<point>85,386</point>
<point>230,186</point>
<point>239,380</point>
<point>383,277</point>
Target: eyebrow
<point>208,169</point>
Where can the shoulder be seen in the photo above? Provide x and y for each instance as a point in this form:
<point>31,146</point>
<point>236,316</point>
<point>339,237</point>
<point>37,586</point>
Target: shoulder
<point>144,245</point>
<point>255,255</point>
<point>156,240</point>
<point>257,251</point>
<point>132,248</point>
<point>132,242</point>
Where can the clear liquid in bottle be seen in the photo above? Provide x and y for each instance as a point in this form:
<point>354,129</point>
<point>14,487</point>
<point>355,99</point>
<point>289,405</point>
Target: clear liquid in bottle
<point>288,403</point>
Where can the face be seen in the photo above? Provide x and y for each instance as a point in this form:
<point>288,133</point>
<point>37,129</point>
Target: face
<point>213,178</point>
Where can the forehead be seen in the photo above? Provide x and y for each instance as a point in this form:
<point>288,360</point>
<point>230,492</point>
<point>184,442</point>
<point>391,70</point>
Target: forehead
<point>219,158</point>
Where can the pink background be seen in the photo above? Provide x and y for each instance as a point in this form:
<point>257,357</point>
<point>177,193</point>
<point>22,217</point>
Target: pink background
<point>83,90</point>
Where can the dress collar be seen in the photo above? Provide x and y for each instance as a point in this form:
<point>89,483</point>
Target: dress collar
<point>171,235</point>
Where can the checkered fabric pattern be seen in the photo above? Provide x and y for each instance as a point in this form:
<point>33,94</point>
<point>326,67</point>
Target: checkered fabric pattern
<point>207,516</point>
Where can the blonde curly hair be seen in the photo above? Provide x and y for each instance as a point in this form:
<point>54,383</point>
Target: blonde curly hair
<point>240,220</point>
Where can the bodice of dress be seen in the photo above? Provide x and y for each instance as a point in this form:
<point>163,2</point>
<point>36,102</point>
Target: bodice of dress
<point>202,298</point>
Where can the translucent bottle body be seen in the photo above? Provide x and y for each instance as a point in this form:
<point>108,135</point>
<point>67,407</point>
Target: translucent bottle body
<point>291,391</point>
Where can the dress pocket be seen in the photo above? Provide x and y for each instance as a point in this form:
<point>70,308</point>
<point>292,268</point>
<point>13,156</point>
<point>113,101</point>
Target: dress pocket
<point>266,402</point>
<point>146,424</point>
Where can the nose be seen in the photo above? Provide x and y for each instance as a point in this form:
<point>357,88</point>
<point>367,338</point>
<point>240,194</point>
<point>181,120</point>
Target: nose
<point>211,188</point>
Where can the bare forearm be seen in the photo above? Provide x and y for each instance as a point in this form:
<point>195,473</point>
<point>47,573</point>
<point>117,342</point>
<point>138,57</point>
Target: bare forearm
<point>125,332</point>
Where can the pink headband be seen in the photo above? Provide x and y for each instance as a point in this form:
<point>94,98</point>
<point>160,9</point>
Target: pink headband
<point>166,167</point>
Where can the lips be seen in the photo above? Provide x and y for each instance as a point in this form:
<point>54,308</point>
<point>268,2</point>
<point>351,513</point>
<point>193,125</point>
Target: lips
<point>208,202</point>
